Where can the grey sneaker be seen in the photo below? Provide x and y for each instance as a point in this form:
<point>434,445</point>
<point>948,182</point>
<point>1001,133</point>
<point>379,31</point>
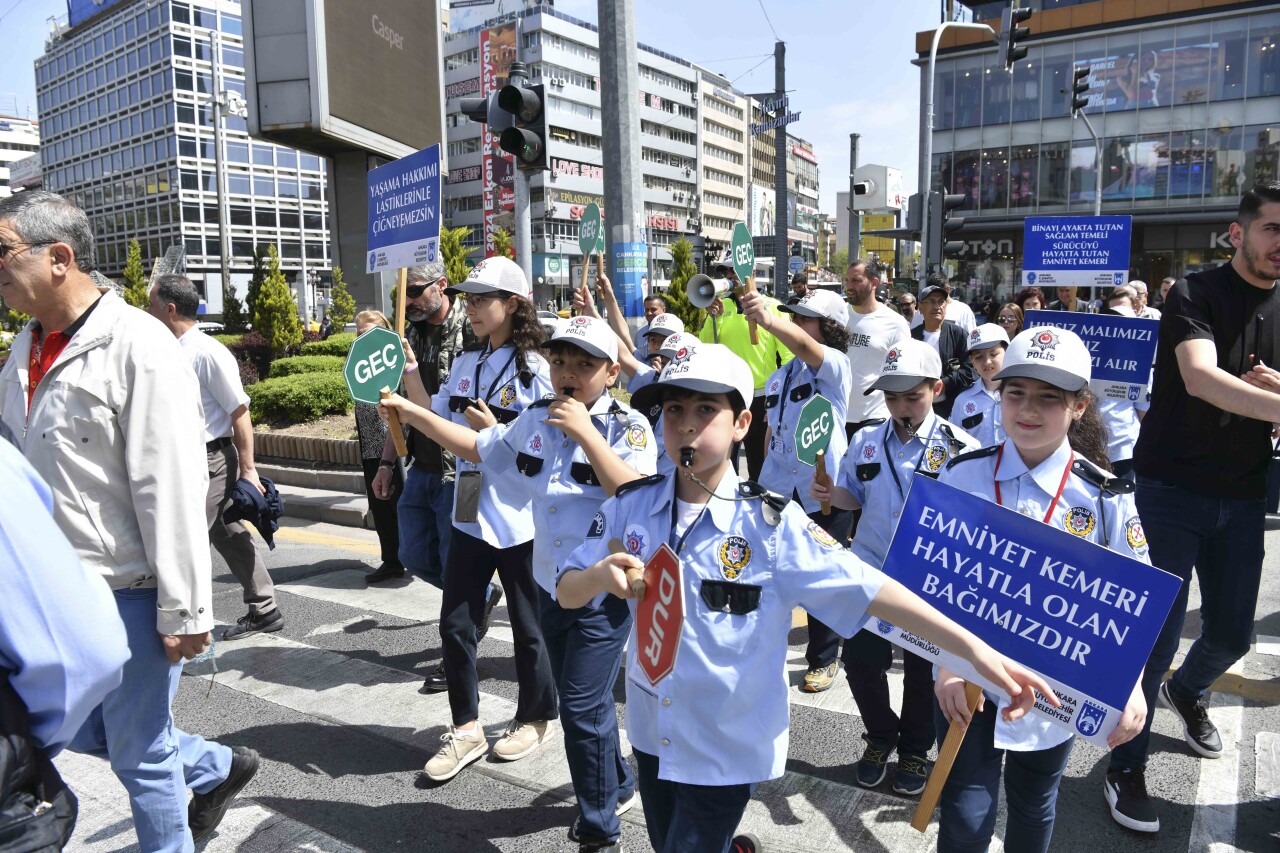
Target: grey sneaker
<point>459,750</point>
<point>521,739</point>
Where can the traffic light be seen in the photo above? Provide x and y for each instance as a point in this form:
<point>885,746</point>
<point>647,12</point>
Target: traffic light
<point>526,138</point>
<point>1011,36</point>
<point>486,111</point>
<point>941,223</point>
<point>1079,89</point>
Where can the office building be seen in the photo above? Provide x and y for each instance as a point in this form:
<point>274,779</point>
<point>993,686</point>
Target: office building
<point>19,140</point>
<point>125,96</point>
<point>1186,105</point>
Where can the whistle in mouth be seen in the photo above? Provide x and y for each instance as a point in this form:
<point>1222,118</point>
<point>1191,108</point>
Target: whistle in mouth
<point>686,457</point>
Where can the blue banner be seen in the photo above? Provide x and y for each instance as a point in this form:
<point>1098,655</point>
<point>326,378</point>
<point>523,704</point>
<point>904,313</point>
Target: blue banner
<point>82,10</point>
<point>1123,348</point>
<point>1082,616</point>
<point>1076,251</point>
<point>404,212</point>
<point>630,277</point>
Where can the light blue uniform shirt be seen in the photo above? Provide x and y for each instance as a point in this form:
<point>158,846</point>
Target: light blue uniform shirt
<point>556,477</point>
<point>1085,510</point>
<point>878,470</point>
<point>785,393</point>
<point>721,716</point>
<point>62,643</point>
<point>977,411</point>
<point>504,517</point>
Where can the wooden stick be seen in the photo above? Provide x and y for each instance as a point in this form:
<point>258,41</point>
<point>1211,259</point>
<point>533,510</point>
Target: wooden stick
<point>942,767</point>
<point>401,286</point>
<point>751,324</point>
<point>393,426</point>
<point>635,577</point>
<point>821,477</point>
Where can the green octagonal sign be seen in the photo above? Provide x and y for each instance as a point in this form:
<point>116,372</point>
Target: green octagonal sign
<point>814,428</point>
<point>376,361</point>
<point>590,232</point>
<point>744,254</point>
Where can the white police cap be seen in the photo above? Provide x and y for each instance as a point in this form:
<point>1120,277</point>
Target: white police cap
<point>1052,355</point>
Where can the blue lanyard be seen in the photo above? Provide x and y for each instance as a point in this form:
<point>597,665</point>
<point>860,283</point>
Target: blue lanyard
<point>496,384</point>
<point>893,469</point>
<point>678,544</point>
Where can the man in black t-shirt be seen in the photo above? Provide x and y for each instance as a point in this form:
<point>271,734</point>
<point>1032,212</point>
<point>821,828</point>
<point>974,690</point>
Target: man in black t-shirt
<point>1201,462</point>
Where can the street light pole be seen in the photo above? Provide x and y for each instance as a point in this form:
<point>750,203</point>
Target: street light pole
<point>219,145</point>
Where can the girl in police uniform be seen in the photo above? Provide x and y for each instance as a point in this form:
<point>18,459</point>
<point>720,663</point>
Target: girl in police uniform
<point>1053,466</point>
<point>977,408</point>
<point>817,337</point>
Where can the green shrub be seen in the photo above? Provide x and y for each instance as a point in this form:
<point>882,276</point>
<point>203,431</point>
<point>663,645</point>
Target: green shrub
<point>227,340</point>
<point>306,364</point>
<point>298,398</point>
<point>339,344</point>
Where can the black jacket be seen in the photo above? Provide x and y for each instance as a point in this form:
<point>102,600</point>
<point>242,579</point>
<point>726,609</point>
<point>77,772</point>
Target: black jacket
<point>957,372</point>
<point>37,811</point>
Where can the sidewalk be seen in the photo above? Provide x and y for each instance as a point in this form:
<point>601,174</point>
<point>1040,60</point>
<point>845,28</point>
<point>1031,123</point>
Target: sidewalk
<point>328,494</point>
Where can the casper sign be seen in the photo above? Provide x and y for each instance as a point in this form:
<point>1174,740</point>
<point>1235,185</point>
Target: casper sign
<point>404,212</point>
<point>1123,349</point>
<point>1082,616</point>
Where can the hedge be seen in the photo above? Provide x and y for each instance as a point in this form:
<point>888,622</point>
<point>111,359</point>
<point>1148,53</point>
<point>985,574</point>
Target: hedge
<point>339,344</point>
<point>307,364</point>
<point>227,340</point>
<point>299,398</point>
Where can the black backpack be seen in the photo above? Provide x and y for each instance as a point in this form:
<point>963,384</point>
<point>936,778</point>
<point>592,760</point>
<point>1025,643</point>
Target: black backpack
<point>37,809</point>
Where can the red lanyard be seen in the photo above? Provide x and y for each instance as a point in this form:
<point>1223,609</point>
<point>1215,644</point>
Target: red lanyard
<point>1062,485</point>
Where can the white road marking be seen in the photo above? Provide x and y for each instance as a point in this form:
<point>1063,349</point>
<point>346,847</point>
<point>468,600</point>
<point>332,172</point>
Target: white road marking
<point>1266,765</point>
<point>1213,829</point>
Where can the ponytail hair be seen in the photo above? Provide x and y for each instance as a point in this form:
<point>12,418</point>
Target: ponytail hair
<point>1088,434</point>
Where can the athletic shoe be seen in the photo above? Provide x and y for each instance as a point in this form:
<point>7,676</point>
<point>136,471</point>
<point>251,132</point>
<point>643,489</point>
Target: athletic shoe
<point>436,682</point>
<point>205,811</point>
<point>873,764</point>
<point>459,750</point>
<point>745,843</point>
<point>495,595</point>
<point>820,678</point>
<point>1126,793</point>
<point>249,624</point>
<point>1197,728</point>
<point>521,739</point>
<point>912,775</point>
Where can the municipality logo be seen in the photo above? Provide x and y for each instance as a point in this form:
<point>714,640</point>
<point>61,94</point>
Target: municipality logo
<point>884,627</point>
<point>1119,278</point>
<point>1090,719</point>
<point>1031,278</point>
<point>373,258</point>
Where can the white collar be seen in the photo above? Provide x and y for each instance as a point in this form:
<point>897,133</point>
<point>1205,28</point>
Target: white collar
<point>1047,475</point>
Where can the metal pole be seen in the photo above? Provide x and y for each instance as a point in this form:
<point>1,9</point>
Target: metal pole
<point>523,224</point>
<point>781,284</point>
<point>224,229</point>
<point>1097,165</point>
<point>855,218</point>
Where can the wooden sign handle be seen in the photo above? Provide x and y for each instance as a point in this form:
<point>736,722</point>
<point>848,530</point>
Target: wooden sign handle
<point>751,324</point>
<point>635,577</point>
<point>393,420</point>
<point>401,286</point>
<point>942,767</point>
<point>821,477</point>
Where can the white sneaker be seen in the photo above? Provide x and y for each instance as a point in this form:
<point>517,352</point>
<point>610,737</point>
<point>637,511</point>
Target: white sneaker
<point>521,739</point>
<point>459,750</point>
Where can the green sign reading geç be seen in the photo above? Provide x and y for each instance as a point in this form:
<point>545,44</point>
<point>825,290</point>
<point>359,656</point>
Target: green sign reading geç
<point>814,428</point>
<point>590,234</point>
<point>744,254</point>
<point>376,361</point>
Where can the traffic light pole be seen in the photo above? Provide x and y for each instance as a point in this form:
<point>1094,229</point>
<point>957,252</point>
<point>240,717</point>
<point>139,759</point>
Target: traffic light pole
<point>1097,165</point>
<point>781,277</point>
<point>523,223</point>
<point>855,216</point>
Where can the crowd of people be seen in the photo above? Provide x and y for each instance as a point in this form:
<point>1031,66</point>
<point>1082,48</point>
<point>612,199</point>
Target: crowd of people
<point>523,464</point>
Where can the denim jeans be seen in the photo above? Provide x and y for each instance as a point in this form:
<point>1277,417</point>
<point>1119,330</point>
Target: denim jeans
<point>585,646</point>
<point>1221,538</point>
<point>425,513</point>
<point>133,728</point>
<point>686,818</point>
<point>972,793</point>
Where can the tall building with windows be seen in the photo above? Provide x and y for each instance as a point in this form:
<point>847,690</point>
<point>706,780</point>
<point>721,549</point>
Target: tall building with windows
<point>723,146</point>
<point>125,102</point>
<point>19,139</point>
<point>1186,105</point>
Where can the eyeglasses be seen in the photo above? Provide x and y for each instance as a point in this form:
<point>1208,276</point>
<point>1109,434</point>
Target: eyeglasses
<point>413,291</point>
<point>7,249</point>
<point>475,300</point>
<point>1006,321</point>
<point>910,304</point>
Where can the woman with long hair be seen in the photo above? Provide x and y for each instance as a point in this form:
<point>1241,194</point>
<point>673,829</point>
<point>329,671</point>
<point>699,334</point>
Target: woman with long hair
<point>1009,318</point>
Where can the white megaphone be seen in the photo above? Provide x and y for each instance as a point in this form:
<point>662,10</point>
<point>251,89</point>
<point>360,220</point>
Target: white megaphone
<point>703,289</point>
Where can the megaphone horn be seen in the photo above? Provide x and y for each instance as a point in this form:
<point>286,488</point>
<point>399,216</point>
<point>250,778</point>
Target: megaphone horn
<point>703,289</point>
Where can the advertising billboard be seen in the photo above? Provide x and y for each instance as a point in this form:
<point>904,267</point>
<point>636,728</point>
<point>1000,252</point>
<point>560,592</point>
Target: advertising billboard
<point>1145,78</point>
<point>764,204</point>
<point>79,11</point>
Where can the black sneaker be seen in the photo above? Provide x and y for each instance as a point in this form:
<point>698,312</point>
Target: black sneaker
<point>1126,793</point>
<point>205,811</point>
<point>249,624</point>
<point>492,602</point>
<point>436,682</point>
<point>606,847</point>
<point>1197,728</point>
<point>912,775</point>
<point>385,572</point>
<point>745,843</point>
<point>873,764</point>
<point>625,802</point>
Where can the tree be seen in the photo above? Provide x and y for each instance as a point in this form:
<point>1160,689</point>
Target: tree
<point>454,253</point>
<point>682,269</point>
<point>233,313</point>
<point>839,262</point>
<point>276,317</point>
<point>502,244</point>
<point>256,280</point>
<point>10,320</point>
<point>342,307</point>
<point>136,291</point>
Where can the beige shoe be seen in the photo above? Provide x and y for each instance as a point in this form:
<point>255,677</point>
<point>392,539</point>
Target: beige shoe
<point>820,678</point>
<point>521,739</point>
<point>459,750</point>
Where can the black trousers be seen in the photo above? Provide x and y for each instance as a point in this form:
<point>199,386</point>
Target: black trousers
<point>472,563</point>
<point>754,442</point>
<point>867,657</point>
<point>385,521</point>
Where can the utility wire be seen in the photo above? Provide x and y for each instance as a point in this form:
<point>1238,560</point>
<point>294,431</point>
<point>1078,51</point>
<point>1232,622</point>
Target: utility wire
<point>776,37</point>
<point>11,8</point>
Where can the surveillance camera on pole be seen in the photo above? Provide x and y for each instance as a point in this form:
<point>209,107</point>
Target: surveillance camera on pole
<point>1012,36</point>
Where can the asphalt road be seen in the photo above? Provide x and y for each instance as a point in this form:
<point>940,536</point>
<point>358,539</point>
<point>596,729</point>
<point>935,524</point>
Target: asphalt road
<point>332,704</point>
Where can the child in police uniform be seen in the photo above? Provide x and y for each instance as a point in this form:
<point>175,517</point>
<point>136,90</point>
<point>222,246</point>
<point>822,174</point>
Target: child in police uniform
<point>876,477</point>
<point>571,451</point>
<point>715,726</point>
<point>817,337</point>
<point>977,408</point>
<point>1052,467</point>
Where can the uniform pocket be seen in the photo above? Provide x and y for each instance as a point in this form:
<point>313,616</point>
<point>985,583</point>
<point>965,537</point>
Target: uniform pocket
<point>867,471</point>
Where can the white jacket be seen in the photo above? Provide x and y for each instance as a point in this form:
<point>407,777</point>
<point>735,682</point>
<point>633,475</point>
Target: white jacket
<point>117,432</point>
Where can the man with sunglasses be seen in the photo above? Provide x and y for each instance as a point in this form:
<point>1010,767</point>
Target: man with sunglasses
<point>905,304</point>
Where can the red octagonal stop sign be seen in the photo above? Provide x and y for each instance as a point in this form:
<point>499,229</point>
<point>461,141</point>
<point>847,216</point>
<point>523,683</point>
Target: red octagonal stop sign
<point>660,615</point>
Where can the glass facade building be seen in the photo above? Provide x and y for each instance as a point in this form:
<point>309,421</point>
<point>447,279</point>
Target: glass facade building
<point>1187,110</point>
<point>125,103</point>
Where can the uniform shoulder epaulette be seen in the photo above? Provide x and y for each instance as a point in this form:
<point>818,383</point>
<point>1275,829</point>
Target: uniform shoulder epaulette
<point>772,502</point>
<point>980,453</point>
<point>1110,485</point>
<point>543,403</point>
<point>651,480</point>
<point>870,422</point>
<point>956,444</point>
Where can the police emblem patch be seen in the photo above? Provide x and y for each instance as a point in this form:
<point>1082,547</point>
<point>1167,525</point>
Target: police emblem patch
<point>507,395</point>
<point>1135,535</point>
<point>535,443</point>
<point>891,359</point>
<point>637,437</point>
<point>1090,718</point>
<point>1079,520</point>
<point>821,536</point>
<point>1045,340</point>
<point>464,386</point>
<point>596,530</point>
<point>869,452</point>
<point>774,386</point>
<point>635,540</point>
<point>935,457</point>
<point>735,553</point>
<point>970,407</point>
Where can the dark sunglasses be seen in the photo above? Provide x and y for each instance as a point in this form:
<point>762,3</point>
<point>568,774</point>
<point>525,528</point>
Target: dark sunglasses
<point>730,597</point>
<point>413,291</point>
<point>911,304</point>
<point>1006,321</point>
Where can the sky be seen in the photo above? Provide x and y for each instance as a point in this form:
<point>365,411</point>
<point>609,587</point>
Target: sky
<point>848,65</point>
